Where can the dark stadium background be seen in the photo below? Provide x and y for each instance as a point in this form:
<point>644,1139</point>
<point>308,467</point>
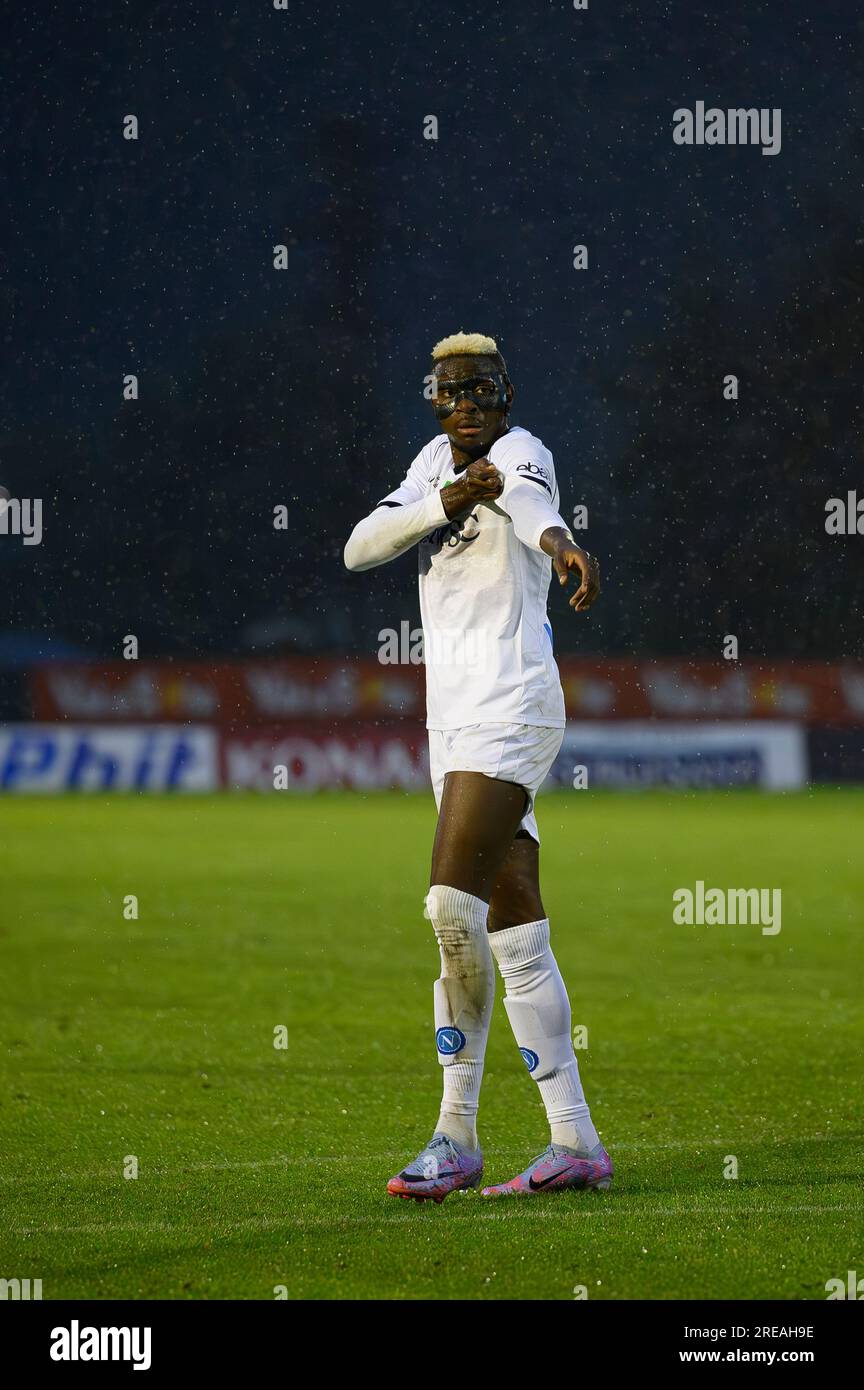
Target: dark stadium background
<point>303,387</point>
<point>230,992</point>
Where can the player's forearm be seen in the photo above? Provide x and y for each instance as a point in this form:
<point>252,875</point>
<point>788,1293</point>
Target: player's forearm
<point>389,531</point>
<point>462,497</point>
<point>553,538</point>
<point>532,514</point>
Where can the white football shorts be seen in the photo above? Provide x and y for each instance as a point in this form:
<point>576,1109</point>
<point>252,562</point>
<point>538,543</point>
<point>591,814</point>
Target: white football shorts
<point>521,753</point>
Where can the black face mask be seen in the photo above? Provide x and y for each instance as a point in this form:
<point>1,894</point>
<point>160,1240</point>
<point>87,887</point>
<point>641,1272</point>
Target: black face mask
<point>487,393</point>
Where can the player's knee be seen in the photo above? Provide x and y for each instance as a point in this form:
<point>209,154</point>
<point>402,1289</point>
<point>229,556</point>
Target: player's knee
<point>452,927</point>
<point>458,928</point>
<point>433,905</point>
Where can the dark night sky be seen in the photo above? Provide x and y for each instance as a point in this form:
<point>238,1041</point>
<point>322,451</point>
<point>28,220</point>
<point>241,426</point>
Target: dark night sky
<point>260,126</point>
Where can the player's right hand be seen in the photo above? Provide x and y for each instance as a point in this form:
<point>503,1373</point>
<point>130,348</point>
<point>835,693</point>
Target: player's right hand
<point>484,480</point>
<point>481,482</point>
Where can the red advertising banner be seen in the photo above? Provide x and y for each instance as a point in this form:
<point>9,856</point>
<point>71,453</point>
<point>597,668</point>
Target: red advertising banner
<point>307,758</point>
<point>326,688</point>
<point>809,692</point>
<point>332,690</point>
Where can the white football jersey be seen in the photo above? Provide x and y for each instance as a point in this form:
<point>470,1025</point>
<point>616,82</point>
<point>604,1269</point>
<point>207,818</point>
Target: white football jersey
<point>487,641</point>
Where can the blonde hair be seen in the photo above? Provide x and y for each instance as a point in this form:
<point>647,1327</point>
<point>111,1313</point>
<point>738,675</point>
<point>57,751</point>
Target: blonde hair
<point>465,345</point>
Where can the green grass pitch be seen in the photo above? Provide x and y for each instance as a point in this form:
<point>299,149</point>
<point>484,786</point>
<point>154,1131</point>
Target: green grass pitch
<point>261,1167</point>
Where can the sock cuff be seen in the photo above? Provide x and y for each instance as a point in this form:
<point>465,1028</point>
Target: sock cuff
<point>518,946</point>
<point>450,906</point>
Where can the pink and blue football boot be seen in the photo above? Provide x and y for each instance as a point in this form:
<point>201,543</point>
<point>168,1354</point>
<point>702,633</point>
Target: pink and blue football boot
<point>557,1169</point>
<point>442,1167</point>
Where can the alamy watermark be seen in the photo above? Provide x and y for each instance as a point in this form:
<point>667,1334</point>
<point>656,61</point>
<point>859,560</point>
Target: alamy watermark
<point>21,516</point>
<point>719,907</point>
<point>20,1290</point>
<point>77,1343</point>
<point>850,1288</point>
<point>734,126</point>
<point>468,648</point>
<point>845,515</point>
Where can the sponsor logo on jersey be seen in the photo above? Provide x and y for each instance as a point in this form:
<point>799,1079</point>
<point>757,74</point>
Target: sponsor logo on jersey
<point>533,468</point>
<point>450,1040</point>
<point>535,474</point>
<point>456,533</point>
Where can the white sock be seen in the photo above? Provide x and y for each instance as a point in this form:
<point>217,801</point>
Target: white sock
<point>539,1012</point>
<point>464,996</point>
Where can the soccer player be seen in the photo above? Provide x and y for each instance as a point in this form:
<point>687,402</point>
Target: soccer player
<point>480,501</point>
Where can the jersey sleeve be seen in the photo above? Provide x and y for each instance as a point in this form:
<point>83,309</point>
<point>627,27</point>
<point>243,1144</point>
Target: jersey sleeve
<point>400,520</point>
<point>530,497</point>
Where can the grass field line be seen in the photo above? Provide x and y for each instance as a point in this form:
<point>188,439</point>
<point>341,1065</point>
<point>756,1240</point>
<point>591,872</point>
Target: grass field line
<point>519,1209</point>
<point>391,1156</point>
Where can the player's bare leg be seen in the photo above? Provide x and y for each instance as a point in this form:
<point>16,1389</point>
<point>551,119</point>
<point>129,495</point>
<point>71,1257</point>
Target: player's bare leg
<point>516,894</point>
<point>477,823</point>
<point>539,1012</point>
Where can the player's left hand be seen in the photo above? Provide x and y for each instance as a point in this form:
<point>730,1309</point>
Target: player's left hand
<point>572,559</point>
